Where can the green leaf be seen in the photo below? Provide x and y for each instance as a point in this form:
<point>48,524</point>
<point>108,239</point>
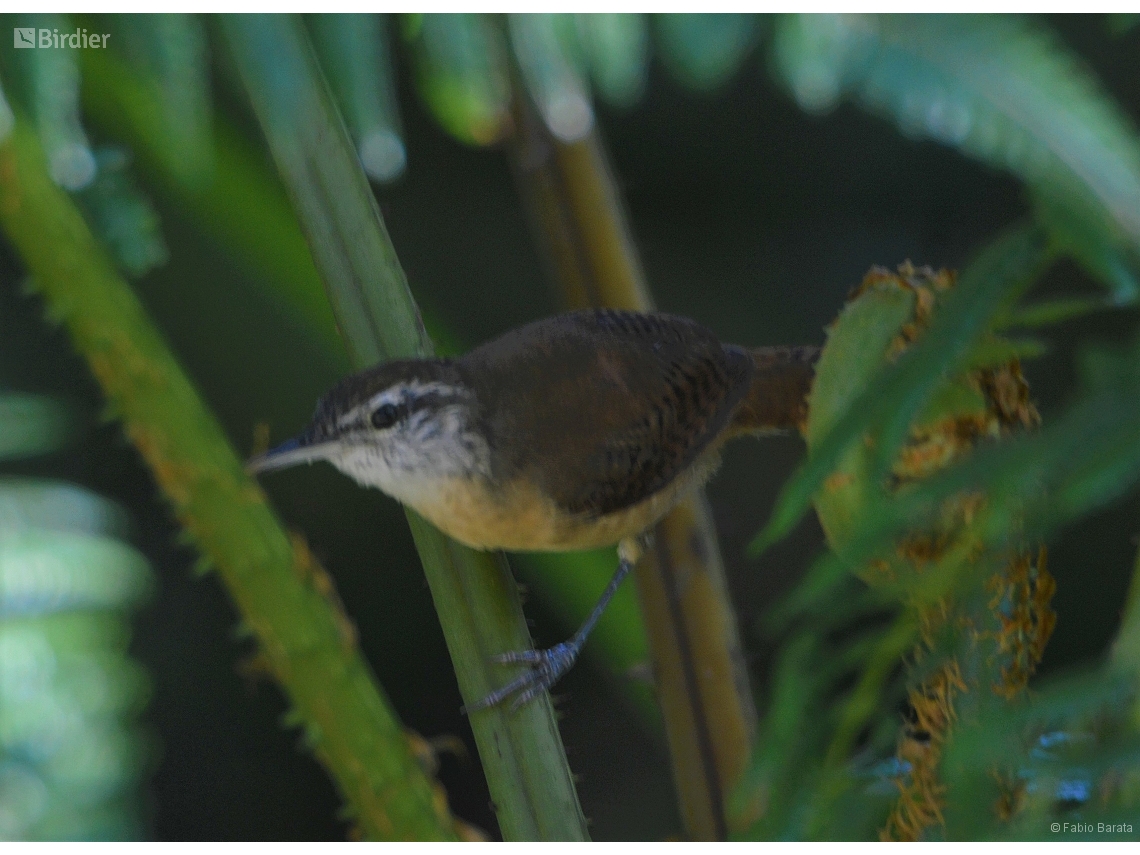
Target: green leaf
<point>704,51</point>
<point>1050,312</point>
<point>47,86</point>
<point>354,54</point>
<point>35,503</point>
<point>615,49</point>
<point>33,424</point>
<point>1084,231</point>
<point>548,57</point>
<point>50,571</point>
<point>1033,485</point>
<point>1001,88</point>
<point>993,351</point>
<point>171,50</point>
<point>122,216</point>
<point>461,73</point>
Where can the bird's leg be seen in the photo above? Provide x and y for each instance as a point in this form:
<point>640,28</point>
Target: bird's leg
<point>546,666</point>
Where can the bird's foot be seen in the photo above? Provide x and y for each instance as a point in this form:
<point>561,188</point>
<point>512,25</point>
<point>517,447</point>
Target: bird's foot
<point>545,667</point>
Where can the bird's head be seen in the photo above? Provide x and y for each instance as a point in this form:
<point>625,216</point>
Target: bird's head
<point>400,426</point>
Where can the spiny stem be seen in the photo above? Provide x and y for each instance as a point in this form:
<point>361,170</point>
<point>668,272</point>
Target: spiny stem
<point>280,591</point>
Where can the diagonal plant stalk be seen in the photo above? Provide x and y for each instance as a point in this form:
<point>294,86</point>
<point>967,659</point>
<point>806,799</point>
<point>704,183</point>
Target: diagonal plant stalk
<point>474,593</point>
<point>281,592</point>
<point>701,680</point>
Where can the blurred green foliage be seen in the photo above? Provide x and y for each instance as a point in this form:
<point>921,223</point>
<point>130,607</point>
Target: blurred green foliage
<point>73,757</point>
<point>840,705</point>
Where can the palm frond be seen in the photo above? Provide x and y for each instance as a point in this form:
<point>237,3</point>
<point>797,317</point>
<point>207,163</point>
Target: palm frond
<point>355,55</point>
<point>703,51</point>
<point>999,88</point>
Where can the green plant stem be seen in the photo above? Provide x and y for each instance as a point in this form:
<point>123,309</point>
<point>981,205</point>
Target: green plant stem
<point>701,681</point>
<point>282,594</point>
<point>475,595</point>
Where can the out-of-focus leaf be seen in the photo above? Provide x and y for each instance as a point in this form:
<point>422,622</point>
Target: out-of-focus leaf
<point>72,753</point>
<point>1054,311</point>
<point>703,51</point>
<point>33,424</point>
<point>122,216</point>
<point>1122,23</point>
<point>615,49</point>
<point>43,572</point>
<point>242,205</point>
<point>1000,88</point>
<point>992,351</point>
<point>46,82</point>
<point>81,651</point>
<point>1062,749</point>
<point>71,757</point>
<point>171,49</point>
<point>355,57</point>
<point>33,503</point>
<point>461,73</point>
<point>1083,230</point>
<point>547,52</point>
<point>779,796</point>
<point>790,734</point>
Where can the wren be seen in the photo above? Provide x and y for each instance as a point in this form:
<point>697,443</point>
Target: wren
<point>577,431</point>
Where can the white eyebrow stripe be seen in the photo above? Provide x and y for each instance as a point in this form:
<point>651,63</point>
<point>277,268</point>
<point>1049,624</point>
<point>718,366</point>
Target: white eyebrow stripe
<point>397,394</point>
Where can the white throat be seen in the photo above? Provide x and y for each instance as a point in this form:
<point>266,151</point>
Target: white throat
<point>417,457</point>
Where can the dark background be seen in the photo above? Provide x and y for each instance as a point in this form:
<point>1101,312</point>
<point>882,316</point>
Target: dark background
<point>750,217</point>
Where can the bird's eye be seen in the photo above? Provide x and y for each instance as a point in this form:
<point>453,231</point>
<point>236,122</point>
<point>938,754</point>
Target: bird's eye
<point>385,416</point>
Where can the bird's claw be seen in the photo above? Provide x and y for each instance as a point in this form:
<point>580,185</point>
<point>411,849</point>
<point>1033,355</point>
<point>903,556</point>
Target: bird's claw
<point>546,666</point>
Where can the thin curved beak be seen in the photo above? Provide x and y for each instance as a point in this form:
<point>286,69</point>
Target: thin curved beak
<point>287,454</point>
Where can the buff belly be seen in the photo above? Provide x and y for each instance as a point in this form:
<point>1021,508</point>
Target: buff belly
<point>518,517</point>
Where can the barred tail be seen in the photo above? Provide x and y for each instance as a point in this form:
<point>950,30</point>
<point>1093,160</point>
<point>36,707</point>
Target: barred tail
<point>777,399</point>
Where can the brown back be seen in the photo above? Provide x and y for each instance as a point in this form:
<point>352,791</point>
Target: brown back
<point>622,403</point>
